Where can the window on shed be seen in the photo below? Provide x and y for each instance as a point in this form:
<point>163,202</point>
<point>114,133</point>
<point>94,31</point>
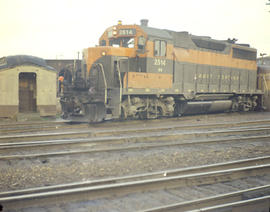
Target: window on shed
<point>160,47</point>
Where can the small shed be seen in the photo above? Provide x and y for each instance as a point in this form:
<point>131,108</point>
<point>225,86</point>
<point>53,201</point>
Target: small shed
<point>27,85</point>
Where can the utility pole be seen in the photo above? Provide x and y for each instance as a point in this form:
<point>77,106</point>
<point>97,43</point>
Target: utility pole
<point>262,54</point>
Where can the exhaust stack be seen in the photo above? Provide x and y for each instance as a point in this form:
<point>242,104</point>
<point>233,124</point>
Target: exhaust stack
<point>144,22</point>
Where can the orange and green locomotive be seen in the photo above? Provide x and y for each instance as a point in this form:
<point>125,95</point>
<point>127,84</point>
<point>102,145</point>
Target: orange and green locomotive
<point>138,71</point>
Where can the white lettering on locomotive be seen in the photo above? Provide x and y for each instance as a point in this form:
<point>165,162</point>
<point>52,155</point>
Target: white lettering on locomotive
<point>159,62</point>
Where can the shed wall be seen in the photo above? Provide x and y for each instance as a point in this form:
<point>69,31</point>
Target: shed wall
<point>8,94</point>
<point>9,90</point>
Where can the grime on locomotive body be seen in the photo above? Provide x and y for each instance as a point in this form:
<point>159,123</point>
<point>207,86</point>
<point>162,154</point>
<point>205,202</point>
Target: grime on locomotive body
<point>143,72</point>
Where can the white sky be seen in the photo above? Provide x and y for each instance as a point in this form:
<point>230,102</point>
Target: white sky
<point>60,28</point>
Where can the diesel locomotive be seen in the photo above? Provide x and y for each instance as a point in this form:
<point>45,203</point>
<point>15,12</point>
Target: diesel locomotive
<point>138,71</point>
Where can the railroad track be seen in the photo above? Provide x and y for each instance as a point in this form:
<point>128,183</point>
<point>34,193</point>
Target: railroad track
<point>152,182</point>
<point>28,127</point>
<point>24,127</point>
<point>59,126</point>
<point>260,125</point>
<point>43,127</point>
<point>225,202</point>
<point>123,140</point>
<point>83,144</point>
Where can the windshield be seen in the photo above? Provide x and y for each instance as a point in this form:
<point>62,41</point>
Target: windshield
<point>127,42</point>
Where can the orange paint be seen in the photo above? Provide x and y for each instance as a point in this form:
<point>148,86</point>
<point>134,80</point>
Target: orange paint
<point>147,80</point>
<point>94,53</point>
<point>213,59</point>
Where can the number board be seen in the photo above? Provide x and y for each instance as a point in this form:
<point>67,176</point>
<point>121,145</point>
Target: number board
<point>127,32</point>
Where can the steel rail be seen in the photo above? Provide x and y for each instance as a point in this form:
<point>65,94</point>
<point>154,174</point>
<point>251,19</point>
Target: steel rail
<point>159,135</point>
<point>158,174</point>
<point>25,124</point>
<point>177,126</point>
<point>113,123</point>
<point>117,149</point>
<point>256,204</point>
<point>123,188</point>
<point>42,127</point>
<point>212,201</point>
<point>155,130</point>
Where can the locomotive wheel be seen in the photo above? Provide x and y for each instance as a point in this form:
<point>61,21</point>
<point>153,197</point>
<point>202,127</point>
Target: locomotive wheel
<point>235,106</point>
<point>123,115</point>
<point>142,115</point>
<point>161,110</point>
<point>245,108</point>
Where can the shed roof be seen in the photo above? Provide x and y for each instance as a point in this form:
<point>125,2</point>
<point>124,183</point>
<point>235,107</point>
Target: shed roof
<point>17,60</point>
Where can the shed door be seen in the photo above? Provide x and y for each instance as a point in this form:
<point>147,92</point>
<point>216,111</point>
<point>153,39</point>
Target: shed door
<point>27,92</point>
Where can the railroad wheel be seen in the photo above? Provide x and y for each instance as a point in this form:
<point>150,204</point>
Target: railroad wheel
<point>245,107</point>
<point>235,106</point>
<point>142,114</point>
<point>123,115</point>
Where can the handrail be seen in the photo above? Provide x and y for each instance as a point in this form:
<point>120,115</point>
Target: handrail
<point>105,82</point>
<point>265,84</point>
<point>120,81</point>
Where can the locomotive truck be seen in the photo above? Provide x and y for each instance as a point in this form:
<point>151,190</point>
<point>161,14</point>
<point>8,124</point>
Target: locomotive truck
<point>138,71</point>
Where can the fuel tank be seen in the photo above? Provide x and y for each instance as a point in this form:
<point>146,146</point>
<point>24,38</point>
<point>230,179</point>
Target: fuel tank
<point>195,107</point>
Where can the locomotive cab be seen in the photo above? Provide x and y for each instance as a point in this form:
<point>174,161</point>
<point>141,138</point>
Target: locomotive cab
<point>96,92</point>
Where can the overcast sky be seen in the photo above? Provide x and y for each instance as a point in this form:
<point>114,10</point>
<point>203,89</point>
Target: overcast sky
<point>60,28</point>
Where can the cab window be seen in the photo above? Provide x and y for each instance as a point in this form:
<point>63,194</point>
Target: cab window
<point>115,42</point>
<point>127,42</point>
<point>103,43</point>
<point>141,42</point>
<point>160,47</point>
